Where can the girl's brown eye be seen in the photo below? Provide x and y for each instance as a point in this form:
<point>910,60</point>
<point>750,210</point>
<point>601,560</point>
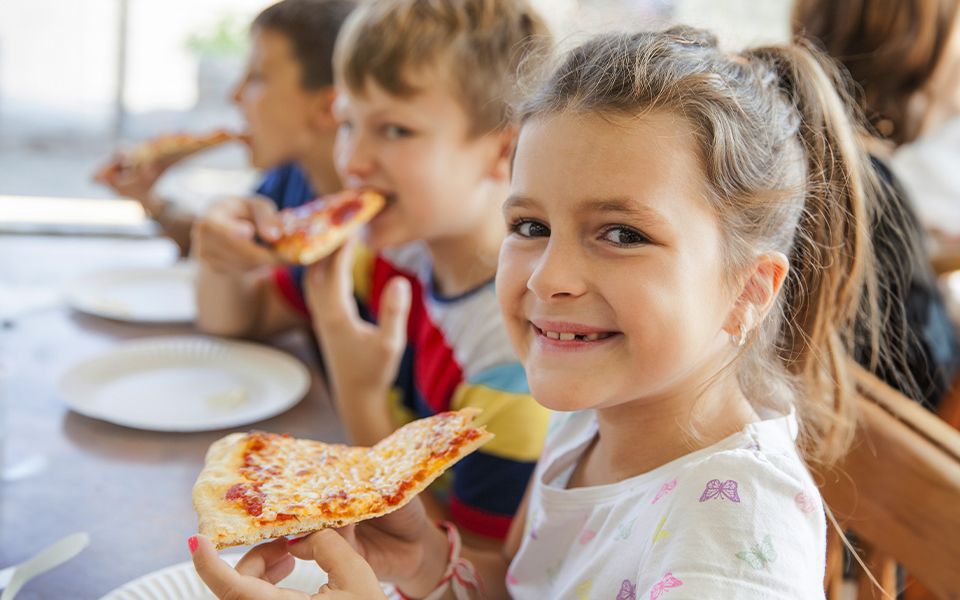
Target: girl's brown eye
<point>530,229</point>
<point>624,236</point>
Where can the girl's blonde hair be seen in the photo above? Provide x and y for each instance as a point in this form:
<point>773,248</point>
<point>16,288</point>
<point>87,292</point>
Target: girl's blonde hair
<point>786,172</point>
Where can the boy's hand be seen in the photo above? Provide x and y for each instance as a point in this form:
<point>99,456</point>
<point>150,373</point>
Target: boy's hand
<point>363,356</point>
<point>225,238</point>
<point>134,183</point>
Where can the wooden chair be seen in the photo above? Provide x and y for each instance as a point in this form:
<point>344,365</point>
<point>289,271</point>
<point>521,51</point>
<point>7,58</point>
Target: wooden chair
<point>898,491</point>
<point>949,409</point>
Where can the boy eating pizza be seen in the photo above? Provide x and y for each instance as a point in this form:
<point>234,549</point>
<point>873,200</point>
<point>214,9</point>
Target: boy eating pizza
<point>423,90</point>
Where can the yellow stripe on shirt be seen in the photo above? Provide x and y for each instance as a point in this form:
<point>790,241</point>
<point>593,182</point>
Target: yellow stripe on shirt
<point>517,421</point>
<point>363,260</point>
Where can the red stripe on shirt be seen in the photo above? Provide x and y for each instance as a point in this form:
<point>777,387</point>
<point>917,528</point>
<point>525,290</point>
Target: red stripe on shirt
<point>288,290</point>
<point>436,372</point>
<point>479,521</point>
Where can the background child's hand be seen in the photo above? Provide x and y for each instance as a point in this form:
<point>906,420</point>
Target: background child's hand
<point>225,237</point>
<point>134,183</point>
<point>363,357</point>
<point>350,577</point>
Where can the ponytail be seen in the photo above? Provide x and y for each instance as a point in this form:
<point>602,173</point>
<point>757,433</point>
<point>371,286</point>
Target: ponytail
<point>830,295</point>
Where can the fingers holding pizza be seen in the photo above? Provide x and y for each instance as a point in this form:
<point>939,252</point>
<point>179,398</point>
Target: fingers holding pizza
<point>257,486</point>
<point>349,572</point>
<point>255,576</point>
<point>226,238</point>
<point>239,234</point>
<point>133,173</point>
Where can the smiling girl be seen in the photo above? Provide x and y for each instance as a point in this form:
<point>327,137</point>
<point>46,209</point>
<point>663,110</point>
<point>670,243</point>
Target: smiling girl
<point>687,253</point>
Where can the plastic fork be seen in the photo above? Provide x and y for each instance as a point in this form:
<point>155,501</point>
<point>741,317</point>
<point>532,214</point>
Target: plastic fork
<point>48,558</point>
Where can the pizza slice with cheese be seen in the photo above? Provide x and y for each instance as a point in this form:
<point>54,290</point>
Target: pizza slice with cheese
<point>172,146</point>
<point>257,486</point>
<point>312,231</point>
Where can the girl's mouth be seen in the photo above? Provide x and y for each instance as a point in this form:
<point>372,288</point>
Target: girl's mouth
<point>571,336</point>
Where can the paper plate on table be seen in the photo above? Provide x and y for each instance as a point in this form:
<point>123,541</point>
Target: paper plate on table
<point>143,295</point>
<point>190,383</point>
<point>181,582</point>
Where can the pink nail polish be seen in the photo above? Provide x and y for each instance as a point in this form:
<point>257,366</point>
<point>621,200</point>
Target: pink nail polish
<point>192,543</point>
<point>293,541</point>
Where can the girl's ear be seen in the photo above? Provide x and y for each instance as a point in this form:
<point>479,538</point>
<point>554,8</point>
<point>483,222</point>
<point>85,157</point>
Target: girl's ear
<point>506,140</point>
<point>321,108</point>
<point>758,293</point>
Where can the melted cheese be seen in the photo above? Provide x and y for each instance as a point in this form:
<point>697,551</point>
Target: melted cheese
<point>305,478</point>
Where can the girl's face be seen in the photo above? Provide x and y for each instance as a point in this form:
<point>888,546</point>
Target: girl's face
<point>610,279</point>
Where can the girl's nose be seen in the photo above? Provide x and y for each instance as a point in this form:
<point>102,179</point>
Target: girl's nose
<point>557,273</point>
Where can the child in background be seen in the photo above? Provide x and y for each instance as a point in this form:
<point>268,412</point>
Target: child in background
<point>422,111</point>
<point>688,251</point>
<point>286,98</point>
<point>898,54</point>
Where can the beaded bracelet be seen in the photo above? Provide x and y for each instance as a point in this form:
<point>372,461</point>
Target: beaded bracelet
<point>460,575</point>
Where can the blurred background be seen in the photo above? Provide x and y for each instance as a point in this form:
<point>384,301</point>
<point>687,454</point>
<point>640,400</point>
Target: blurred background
<point>79,78</point>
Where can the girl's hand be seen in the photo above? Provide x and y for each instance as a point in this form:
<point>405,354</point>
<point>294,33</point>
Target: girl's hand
<point>364,357</point>
<point>350,578</point>
<point>403,547</point>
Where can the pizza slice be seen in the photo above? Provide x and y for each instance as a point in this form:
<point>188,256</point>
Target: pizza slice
<point>314,230</point>
<point>257,486</point>
<point>172,146</point>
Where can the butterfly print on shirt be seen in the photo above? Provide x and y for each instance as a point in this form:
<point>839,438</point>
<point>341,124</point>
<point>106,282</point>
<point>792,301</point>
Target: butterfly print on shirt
<point>663,586</point>
<point>664,490</point>
<point>717,489</point>
<point>628,591</point>
<point>760,556</point>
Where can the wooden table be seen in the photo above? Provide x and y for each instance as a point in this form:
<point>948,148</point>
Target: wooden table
<point>129,489</point>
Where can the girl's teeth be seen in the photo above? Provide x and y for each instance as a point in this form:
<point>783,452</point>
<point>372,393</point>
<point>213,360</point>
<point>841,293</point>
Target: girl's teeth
<point>569,337</point>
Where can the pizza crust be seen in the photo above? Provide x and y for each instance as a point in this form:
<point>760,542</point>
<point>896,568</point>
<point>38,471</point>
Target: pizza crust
<point>227,524</point>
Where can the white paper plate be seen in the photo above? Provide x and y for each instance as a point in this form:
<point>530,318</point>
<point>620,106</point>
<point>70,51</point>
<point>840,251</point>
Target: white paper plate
<point>181,582</point>
<point>190,383</point>
<point>143,295</point>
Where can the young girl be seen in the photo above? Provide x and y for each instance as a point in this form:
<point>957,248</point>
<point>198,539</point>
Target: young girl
<point>686,255</point>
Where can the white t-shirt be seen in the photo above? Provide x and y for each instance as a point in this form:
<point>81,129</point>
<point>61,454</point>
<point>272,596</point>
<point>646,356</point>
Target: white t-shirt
<point>739,519</point>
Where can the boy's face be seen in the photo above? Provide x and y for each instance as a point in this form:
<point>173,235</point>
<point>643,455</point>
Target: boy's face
<point>417,151</point>
<point>280,115</point>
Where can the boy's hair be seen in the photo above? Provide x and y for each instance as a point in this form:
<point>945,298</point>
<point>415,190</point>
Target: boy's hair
<point>312,27</point>
<point>786,172</point>
<point>890,47</point>
<point>479,46</point>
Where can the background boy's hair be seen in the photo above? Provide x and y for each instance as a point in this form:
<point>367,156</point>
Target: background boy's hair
<point>479,46</point>
<point>783,157</point>
<point>890,47</point>
<point>312,27</point>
